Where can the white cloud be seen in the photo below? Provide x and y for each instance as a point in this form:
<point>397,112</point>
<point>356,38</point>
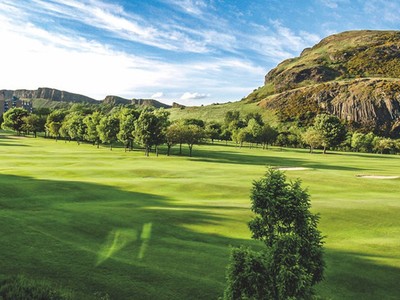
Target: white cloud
<point>194,96</point>
<point>157,95</point>
<point>36,57</point>
<point>193,7</point>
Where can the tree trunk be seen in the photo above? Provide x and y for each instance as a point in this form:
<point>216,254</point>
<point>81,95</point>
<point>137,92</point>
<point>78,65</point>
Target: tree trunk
<point>180,149</point>
<point>168,149</point>
<point>157,150</point>
<point>324,149</point>
<point>190,150</point>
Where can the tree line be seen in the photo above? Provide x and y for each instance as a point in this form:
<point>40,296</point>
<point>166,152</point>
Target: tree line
<point>150,128</point>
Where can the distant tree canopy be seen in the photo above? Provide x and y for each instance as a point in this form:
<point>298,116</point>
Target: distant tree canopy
<point>89,123</point>
<point>292,262</point>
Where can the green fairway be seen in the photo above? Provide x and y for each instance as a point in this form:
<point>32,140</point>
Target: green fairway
<point>135,227</point>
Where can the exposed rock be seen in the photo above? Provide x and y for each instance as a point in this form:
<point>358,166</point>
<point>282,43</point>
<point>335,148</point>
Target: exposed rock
<point>177,105</point>
<point>354,75</point>
<point>115,100</point>
<point>47,94</point>
<point>372,104</point>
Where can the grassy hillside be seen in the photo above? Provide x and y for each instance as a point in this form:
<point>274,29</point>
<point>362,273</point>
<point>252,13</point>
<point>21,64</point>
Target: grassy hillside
<point>101,221</point>
<point>216,112</point>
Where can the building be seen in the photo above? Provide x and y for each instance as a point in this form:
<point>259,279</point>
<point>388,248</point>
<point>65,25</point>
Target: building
<point>14,102</point>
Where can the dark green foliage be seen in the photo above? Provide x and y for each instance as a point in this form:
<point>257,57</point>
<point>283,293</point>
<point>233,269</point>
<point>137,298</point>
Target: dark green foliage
<point>21,288</point>
<point>14,119</point>
<point>292,262</point>
<point>248,275</point>
<point>196,122</point>
<point>213,131</point>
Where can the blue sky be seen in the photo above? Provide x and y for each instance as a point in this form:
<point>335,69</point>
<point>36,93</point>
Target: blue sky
<point>189,51</point>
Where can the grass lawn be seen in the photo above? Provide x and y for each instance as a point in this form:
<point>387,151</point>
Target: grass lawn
<point>100,221</point>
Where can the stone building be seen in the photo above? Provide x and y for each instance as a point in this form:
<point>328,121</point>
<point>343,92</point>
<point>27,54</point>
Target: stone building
<point>6,104</point>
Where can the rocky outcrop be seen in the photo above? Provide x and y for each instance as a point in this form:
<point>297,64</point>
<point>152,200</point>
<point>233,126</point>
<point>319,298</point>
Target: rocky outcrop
<point>63,96</point>
<point>150,102</point>
<point>350,54</point>
<point>354,75</point>
<point>47,94</point>
<point>368,104</point>
<point>115,100</point>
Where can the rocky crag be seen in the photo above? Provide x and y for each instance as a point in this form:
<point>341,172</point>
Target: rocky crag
<point>354,75</point>
<point>63,96</point>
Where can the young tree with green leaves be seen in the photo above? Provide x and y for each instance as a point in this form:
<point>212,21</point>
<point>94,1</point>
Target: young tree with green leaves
<point>127,117</point>
<point>175,135</point>
<point>150,129</point>
<point>268,135</point>
<point>33,123</point>
<point>193,134</point>
<point>213,131</point>
<point>292,262</point>
<point>108,129</point>
<point>331,129</point>
<point>313,138</point>
<point>14,119</point>
<point>54,122</point>
<point>92,134</point>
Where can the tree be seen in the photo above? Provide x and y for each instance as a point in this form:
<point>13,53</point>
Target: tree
<point>76,128</point>
<point>14,119</point>
<point>213,131</point>
<point>175,135</point>
<point>193,134</point>
<point>150,129</point>
<point>292,262</point>
<point>108,129</point>
<point>91,122</point>
<point>193,121</point>
<point>331,129</point>
<point>54,122</point>
<point>313,138</point>
<point>254,130</point>
<point>362,142</point>
<point>267,136</point>
<point>240,135</point>
<point>127,118</point>
<point>33,123</point>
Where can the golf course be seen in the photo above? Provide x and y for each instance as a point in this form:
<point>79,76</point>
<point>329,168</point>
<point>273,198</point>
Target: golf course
<point>116,224</point>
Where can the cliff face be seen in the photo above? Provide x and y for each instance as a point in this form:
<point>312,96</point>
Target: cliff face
<point>63,96</point>
<point>349,54</point>
<point>354,75</point>
<point>366,104</point>
<point>47,94</point>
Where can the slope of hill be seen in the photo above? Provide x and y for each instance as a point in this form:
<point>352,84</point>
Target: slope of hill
<point>354,75</point>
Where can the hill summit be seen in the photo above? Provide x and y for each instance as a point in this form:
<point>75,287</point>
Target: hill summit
<point>354,75</point>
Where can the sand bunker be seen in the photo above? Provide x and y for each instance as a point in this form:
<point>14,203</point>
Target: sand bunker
<point>378,176</point>
<point>290,168</point>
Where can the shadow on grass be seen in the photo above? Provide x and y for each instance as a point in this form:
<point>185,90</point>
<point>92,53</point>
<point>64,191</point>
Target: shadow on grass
<point>95,238</point>
<point>235,157</point>
<point>56,230</point>
<point>357,276</point>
